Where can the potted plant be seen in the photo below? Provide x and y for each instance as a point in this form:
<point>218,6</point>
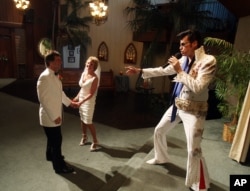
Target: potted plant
<point>232,80</point>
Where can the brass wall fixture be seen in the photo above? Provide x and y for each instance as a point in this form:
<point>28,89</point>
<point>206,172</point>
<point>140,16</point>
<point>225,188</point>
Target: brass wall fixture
<point>44,46</point>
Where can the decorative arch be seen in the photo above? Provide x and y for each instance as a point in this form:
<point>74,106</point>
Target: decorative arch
<point>103,52</point>
<point>130,54</point>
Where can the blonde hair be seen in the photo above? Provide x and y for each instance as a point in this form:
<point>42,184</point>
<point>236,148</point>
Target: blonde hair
<point>95,60</point>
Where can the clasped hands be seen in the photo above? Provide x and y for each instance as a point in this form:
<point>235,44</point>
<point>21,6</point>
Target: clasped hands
<point>74,104</point>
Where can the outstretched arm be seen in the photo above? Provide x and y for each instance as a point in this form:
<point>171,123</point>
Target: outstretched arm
<point>132,70</point>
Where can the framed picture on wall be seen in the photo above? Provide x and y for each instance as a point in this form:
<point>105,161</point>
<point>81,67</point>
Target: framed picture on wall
<point>71,57</point>
<point>71,52</point>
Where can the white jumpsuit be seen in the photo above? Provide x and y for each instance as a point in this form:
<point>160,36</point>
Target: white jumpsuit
<point>195,90</point>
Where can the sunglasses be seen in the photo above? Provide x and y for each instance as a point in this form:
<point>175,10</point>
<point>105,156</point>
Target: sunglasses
<point>184,44</point>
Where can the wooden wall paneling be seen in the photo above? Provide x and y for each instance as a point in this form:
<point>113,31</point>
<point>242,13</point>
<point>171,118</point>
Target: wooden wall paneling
<point>36,22</point>
<point>29,49</point>
<point>9,12</point>
<point>43,17</point>
<point>6,54</point>
<point>20,44</point>
<point>13,54</point>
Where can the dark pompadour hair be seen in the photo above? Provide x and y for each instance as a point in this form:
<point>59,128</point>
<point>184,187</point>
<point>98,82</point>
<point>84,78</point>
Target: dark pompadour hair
<point>193,35</point>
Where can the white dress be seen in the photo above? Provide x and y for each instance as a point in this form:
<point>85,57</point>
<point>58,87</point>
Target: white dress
<point>86,110</point>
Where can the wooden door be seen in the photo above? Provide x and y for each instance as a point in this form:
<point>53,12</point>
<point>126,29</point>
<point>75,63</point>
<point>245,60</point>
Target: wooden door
<point>6,63</point>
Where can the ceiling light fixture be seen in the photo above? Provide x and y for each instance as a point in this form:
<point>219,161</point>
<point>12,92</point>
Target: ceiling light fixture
<point>22,4</point>
<point>99,11</point>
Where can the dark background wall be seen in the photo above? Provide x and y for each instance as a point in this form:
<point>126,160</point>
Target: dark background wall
<point>34,23</point>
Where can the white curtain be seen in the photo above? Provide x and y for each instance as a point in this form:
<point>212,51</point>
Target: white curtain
<point>240,145</point>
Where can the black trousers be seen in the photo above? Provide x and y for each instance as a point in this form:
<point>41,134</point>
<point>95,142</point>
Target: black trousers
<point>54,143</point>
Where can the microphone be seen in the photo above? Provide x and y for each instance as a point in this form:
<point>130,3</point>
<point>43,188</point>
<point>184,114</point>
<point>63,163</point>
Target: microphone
<point>178,55</point>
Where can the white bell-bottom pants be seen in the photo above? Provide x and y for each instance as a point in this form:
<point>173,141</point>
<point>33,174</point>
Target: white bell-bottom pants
<point>197,175</point>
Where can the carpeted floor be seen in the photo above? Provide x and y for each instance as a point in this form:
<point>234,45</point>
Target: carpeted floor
<point>122,110</point>
<point>120,163</point>
<point>25,89</point>
<point>129,110</point>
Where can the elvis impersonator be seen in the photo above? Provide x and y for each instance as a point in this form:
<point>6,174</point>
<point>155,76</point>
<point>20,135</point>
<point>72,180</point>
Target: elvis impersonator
<point>194,71</point>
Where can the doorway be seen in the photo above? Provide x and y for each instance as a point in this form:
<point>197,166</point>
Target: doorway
<point>6,61</point>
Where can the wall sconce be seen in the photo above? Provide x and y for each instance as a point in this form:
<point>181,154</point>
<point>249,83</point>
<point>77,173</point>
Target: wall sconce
<point>99,11</point>
<point>22,4</point>
<point>103,53</point>
<point>130,54</point>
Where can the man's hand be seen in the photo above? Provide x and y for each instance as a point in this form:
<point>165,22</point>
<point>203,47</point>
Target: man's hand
<point>75,99</point>
<point>58,120</point>
<point>175,63</point>
<point>132,70</point>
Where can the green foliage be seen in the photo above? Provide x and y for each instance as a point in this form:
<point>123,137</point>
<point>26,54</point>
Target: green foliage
<point>144,16</point>
<point>232,77</point>
<point>75,28</point>
<point>173,17</point>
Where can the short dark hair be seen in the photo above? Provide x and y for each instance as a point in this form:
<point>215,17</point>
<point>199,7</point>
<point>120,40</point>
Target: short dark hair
<point>193,35</point>
<point>51,57</point>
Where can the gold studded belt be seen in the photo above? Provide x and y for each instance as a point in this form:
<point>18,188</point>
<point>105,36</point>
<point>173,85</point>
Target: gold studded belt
<point>195,107</point>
